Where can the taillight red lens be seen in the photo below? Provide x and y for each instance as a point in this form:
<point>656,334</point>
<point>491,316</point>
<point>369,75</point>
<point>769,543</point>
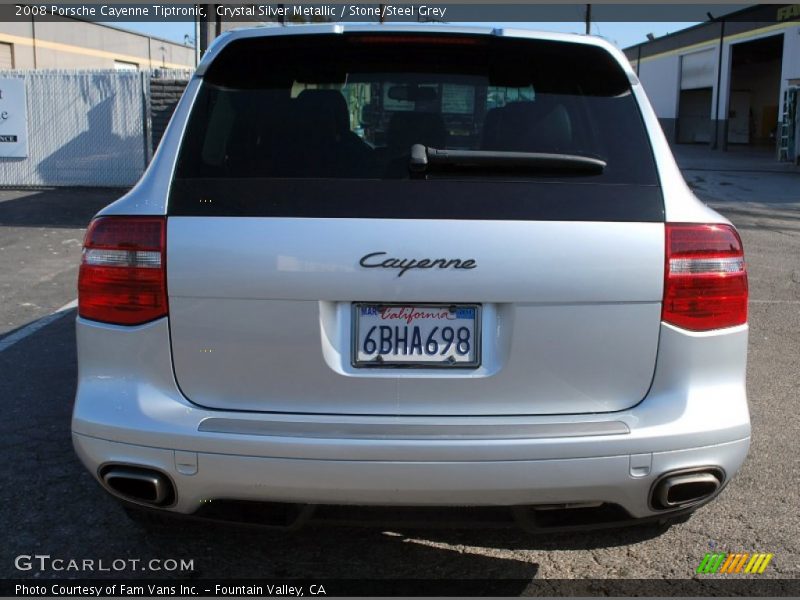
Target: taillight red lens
<point>122,277</point>
<point>705,280</point>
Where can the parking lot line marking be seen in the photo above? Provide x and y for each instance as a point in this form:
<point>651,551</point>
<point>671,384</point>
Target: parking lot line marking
<point>21,334</point>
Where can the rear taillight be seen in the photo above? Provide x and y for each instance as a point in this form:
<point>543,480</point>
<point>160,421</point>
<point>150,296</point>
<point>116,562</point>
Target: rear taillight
<point>122,278</point>
<point>705,281</point>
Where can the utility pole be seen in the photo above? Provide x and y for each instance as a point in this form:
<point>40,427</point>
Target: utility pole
<point>33,38</point>
<point>715,143</point>
<point>204,26</point>
<point>196,24</point>
<point>588,19</point>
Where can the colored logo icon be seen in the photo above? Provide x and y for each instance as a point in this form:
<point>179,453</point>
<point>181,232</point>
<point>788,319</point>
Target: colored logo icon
<point>723,562</point>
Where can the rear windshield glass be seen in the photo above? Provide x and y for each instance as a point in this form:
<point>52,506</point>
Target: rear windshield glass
<point>352,106</point>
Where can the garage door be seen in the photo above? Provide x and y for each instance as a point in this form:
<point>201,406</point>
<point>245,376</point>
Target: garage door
<point>6,56</point>
<point>694,116</point>
<point>698,69</point>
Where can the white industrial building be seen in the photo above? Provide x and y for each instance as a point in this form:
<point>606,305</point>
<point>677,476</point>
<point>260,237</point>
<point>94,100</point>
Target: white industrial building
<point>731,81</point>
<point>65,43</point>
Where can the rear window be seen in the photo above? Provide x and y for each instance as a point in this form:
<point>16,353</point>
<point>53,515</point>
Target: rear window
<point>299,109</point>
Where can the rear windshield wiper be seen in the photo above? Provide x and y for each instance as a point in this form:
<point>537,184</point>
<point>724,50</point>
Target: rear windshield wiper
<point>424,158</point>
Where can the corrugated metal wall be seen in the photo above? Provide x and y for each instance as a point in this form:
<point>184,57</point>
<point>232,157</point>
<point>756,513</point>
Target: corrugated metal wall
<point>165,91</point>
<point>85,128</point>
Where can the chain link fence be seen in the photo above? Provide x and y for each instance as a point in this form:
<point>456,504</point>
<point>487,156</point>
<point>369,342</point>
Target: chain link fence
<point>90,128</point>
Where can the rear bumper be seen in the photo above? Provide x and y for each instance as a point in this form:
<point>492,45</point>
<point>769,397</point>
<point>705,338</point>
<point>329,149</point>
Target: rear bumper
<point>605,479</point>
<point>133,413</point>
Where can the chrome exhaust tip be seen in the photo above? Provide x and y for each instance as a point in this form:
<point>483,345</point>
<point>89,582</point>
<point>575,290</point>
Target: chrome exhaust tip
<point>684,488</point>
<point>139,484</point>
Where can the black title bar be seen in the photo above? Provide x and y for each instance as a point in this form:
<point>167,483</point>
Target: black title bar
<point>298,12</point>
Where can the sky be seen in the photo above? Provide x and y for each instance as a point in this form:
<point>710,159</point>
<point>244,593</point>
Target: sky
<point>620,34</point>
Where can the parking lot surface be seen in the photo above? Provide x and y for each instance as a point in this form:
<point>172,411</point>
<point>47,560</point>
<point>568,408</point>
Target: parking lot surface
<point>40,247</point>
<point>50,505</point>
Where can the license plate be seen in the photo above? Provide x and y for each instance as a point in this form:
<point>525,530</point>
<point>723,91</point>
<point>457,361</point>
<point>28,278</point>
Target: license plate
<point>416,335</point>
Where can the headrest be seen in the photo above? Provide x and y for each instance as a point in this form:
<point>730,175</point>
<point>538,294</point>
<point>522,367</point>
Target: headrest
<point>408,128</point>
<point>327,105</point>
<point>543,125</point>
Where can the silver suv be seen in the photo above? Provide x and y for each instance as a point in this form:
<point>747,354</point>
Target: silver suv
<point>382,265</point>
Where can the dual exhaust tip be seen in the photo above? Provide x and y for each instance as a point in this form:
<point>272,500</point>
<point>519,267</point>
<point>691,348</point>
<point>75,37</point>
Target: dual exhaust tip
<point>139,484</point>
<point>680,489</point>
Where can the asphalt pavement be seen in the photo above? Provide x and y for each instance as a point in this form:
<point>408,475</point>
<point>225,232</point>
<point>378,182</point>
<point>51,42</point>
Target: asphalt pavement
<point>50,505</point>
<point>41,232</point>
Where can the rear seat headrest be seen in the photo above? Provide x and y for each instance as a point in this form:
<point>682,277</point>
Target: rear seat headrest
<point>327,105</point>
<point>535,126</point>
<point>408,128</point>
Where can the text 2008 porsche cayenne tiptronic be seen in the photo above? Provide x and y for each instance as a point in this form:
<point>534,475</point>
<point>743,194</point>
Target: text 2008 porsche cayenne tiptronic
<point>382,265</point>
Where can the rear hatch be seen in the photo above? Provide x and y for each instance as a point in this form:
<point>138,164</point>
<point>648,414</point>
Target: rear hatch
<point>415,225</point>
